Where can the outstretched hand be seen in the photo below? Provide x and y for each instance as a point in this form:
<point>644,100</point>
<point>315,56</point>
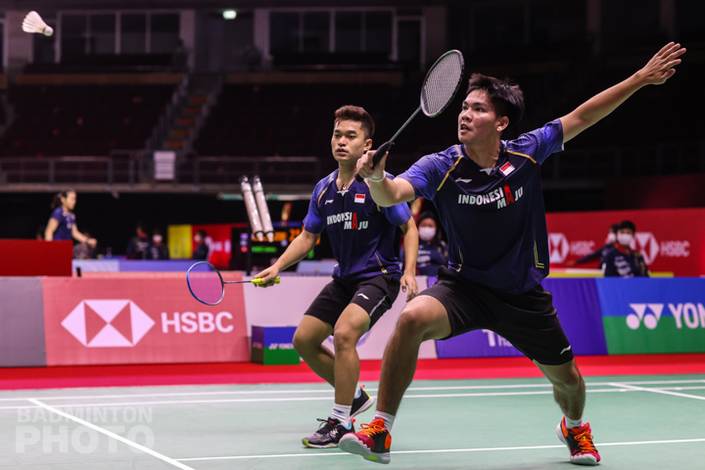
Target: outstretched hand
<point>267,277</point>
<point>662,66</point>
<point>365,169</point>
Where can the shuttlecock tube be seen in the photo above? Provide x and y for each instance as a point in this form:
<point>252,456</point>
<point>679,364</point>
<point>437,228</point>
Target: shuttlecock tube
<point>251,206</point>
<point>33,23</point>
<point>263,208</point>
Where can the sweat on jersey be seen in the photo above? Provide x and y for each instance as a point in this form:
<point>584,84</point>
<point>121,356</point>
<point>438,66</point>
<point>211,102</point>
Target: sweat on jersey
<point>495,220</point>
<point>363,235</point>
<point>66,222</point>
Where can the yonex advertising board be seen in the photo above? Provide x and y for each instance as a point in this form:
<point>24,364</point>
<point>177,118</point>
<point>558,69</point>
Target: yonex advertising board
<point>653,315</point>
<point>579,313</point>
<point>140,319</point>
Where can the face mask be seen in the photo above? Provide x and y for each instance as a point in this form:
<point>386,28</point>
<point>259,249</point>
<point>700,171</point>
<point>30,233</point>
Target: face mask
<point>625,239</point>
<point>157,238</point>
<point>427,233</point>
<point>611,237</point>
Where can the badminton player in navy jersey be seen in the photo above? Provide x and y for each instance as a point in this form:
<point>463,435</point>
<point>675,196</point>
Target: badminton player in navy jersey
<point>487,193</point>
<point>62,223</point>
<point>365,242</point>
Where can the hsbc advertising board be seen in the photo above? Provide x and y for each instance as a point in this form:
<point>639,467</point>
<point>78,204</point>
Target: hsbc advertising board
<point>139,320</point>
<point>670,240</point>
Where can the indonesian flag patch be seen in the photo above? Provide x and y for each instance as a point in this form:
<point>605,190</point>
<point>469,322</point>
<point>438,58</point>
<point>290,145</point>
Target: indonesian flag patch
<point>506,168</point>
<point>359,198</point>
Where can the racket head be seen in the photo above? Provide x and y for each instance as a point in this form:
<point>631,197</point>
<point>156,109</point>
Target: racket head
<point>205,283</point>
<point>442,82</point>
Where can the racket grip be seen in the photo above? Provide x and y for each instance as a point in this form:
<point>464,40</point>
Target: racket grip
<point>379,153</point>
<point>260,282</point>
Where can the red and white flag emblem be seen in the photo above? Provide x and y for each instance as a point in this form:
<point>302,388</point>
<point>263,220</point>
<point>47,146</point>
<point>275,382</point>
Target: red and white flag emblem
<point>506,168</point>
<point>359,198</point>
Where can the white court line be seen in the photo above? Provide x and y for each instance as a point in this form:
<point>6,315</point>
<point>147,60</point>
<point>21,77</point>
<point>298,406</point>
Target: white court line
<point>314,391</point>
<point>657,390</point>
<point>111,434</point>
<point>617,388</point>
<point>439,451</point>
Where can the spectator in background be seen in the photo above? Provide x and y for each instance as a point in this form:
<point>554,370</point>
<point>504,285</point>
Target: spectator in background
<point>157,249</point>
<point>201,251</point>
<point>600,253</point>
<point>621,260</point>
<point>433,252</point>
<point>139,244</point>
<point>62,223</point>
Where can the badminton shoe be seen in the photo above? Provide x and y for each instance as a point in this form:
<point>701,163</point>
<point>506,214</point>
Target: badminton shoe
<point>361,403</point>
<point>579,442</point>
<point>372,442</point>
<point>328,434</point>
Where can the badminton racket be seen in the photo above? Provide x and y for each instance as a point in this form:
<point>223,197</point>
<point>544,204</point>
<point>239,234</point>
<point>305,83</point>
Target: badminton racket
<point>207,285</point>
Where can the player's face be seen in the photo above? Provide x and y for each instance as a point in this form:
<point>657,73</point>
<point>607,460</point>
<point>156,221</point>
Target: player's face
<point>349,141</point>
<point>70,201</point>
<point>478,120</point>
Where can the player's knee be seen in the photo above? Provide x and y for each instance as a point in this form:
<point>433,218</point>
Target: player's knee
<point>303,342</point>
<point>570,379</point>
<point>412,323</point>
<point>345,337</point>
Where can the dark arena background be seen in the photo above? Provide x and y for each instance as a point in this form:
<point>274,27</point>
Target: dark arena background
<point>151,113</point>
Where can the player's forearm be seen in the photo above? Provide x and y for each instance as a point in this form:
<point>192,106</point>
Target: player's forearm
<point>386,193</point>
<point>411,247</point>
<point>296,251</point>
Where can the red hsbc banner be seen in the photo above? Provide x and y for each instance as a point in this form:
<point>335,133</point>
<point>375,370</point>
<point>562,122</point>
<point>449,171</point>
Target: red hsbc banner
<point>148,319</point>
<point>671,240</point>
<point>218,239</point>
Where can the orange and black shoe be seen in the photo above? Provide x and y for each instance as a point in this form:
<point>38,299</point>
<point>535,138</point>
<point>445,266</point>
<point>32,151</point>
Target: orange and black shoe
<point>372,442</point>
<point>579,442</point>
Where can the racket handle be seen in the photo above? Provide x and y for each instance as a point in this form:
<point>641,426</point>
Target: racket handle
<point>379,153</point>
<point>260,282</point>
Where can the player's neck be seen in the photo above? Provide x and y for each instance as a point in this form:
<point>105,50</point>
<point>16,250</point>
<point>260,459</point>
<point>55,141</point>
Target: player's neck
<point>345,176</point>
<point>485,154</point>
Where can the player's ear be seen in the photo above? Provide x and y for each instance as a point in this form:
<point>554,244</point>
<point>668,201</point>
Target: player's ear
<point>368,144</point>
<point>502,123</point>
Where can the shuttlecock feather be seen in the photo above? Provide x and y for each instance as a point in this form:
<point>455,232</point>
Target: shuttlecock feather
<point>33,23</point>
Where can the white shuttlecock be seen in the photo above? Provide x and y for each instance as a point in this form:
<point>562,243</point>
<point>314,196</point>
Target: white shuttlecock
<point>33,23</point>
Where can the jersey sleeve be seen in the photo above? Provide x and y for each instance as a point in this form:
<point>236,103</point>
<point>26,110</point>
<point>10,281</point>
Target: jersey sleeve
<point>425,175</point>
<point>398,214</point>
<point>540,143</point>
<point>57,214</point>
<point>313,222</point>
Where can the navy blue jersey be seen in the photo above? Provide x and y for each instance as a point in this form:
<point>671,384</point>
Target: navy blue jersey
<point>623,262</point>
<point>66,222</point>
<point>363,235</point>
<point>495,220</point>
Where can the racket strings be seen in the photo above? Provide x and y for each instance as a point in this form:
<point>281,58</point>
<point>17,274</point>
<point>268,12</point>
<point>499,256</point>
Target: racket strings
<point>441,83</point>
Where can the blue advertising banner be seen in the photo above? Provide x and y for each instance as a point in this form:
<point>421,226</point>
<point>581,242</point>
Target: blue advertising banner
<point>653,315</point>
<point>578,310</point>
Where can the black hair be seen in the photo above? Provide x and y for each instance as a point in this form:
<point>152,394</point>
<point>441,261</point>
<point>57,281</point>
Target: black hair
<point>56,201</point>
<point>614,227</point>
<point>505,95</point>
<point>628,225</point>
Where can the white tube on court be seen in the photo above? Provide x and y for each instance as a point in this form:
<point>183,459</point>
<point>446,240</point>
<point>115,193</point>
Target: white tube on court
<point>251,206</point>
<point>263,208</point>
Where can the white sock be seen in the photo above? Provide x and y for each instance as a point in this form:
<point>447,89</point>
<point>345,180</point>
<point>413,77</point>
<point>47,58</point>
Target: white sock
<point>386,417</point>
<point>341,413</point>
<point>358,392</point>
<point>573,423</point>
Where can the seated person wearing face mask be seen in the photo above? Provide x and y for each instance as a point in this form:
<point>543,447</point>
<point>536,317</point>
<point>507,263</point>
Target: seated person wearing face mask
<point>433,252</point>
<point>621,260</point>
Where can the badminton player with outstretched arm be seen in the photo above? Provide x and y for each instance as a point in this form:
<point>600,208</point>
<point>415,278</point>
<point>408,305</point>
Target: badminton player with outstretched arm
<point>487,192</point>
<point>365,242</point>
<point>62,223</point>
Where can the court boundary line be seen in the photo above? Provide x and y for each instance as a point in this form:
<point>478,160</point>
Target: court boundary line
<point>440,451</point>
<point>117,437</point>
<point>660,391</point>
<point>329,390</point>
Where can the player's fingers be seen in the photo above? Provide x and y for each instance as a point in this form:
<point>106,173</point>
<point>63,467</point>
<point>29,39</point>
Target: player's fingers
<point>664,49</point>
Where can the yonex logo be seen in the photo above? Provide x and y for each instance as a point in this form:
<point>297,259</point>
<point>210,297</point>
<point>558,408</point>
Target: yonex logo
<point>558,247</point>
<point>108,323</point>
<point>647,245</point>
<point>648,314</point>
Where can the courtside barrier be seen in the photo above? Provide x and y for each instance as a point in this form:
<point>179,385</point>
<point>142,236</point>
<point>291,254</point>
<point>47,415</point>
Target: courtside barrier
<point>21,322</point>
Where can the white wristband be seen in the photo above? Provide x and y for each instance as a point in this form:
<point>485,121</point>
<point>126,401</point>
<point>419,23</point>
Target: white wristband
<point>375,180</point>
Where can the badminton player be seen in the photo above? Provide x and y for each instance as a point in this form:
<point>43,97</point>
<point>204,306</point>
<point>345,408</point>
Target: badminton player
<point>62,223</point>
<point>366,281</point>
<point>487,192</point>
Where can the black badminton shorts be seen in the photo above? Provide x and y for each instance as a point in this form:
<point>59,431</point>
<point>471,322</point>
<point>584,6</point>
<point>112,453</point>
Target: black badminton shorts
<point>528,320</point>
<point>375,295</point>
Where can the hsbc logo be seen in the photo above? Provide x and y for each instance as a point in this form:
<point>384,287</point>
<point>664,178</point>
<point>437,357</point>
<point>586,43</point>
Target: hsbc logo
<point>650,248</point>
<point>647,245</point>
<point>108,323</point>
<point>558,247</point>
<point>648,314</point>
